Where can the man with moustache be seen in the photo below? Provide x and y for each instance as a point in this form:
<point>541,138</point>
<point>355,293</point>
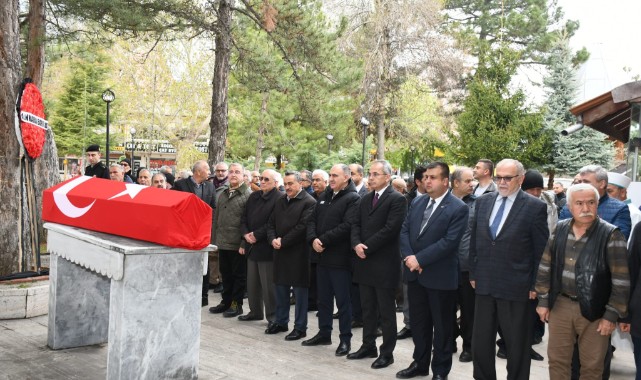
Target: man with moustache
<point>375,239</point>
<point>197,184</point>
<point>508,234</point>
<point>328,231</point>
<point>319,183</point>
<point>286,231</point>
<point>429,242</point>
<point>159,180</point>
<point>483,172</point>
<point>259,252</point>
<point>582,285</point>
<point>144,177</point>
<point>227,237</point>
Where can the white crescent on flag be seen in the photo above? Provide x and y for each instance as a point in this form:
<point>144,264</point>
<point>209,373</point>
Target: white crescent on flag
<point>63,203</point>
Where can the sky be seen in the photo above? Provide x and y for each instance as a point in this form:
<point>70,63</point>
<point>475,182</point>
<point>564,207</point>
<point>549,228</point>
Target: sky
<point>610,32</point>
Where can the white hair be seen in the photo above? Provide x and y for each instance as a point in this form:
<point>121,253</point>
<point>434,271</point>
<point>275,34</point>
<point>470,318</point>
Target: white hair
<point>322,172</point>
<point>582,187</point>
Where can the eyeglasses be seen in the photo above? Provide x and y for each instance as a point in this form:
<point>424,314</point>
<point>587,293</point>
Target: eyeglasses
<point>220,170</point>
<point>374,174</point>
<point>505,179</point>
<point>305,180</point>
<point>264,179</point>
<point>234,172</point>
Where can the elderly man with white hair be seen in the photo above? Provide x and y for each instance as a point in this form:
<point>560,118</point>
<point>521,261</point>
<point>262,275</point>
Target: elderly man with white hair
<point>583,285</point>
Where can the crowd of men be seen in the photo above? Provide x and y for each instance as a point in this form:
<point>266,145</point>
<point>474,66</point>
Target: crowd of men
<point>486,244</point>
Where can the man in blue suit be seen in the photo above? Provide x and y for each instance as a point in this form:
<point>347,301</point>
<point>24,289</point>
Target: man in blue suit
<point>508,233</point>
<point>430,237</point>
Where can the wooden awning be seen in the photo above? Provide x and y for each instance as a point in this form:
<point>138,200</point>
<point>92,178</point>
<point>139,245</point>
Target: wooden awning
<point>610,113</point>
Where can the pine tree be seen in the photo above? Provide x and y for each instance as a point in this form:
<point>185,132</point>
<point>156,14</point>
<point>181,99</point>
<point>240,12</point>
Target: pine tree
<point>584,147</point>
<point>78,118</point>
<point>496,124</point>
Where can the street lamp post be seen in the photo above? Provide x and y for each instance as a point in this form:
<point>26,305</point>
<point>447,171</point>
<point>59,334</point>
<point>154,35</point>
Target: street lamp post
<point>108,96</point>
<point>329,143</point>
<point>133,147</point>
<point>365,124</point>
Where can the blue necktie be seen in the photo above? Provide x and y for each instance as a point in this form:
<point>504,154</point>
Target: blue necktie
<point>497,219</point>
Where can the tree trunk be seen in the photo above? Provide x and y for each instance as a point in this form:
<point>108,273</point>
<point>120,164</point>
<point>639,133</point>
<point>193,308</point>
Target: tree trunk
<point>380,138</point>
<point>36,41</point>
<point>46,166</point>
<point>261,131</point>
<point>218,123</point>
<point>10,184</point>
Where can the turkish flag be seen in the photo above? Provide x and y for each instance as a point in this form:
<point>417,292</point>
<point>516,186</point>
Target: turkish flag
<point>170,218</point>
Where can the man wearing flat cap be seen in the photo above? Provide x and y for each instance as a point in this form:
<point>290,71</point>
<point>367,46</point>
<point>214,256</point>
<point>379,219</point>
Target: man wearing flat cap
<point>95,168</point>
<point>618,188</point>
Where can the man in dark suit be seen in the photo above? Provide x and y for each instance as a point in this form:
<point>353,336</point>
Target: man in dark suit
<point>429,246</point>
<point>375,238</point>
<point>507,236</point>
<point>198,184</point>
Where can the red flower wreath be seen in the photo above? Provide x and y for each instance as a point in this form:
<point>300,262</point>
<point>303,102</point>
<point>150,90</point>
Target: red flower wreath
<point>32,120</point>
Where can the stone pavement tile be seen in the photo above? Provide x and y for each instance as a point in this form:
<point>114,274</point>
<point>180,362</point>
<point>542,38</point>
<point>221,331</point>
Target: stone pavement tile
<point>230,349</point>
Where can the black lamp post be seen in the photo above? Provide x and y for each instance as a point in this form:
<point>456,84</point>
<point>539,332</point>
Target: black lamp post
<point>108,96</point>
<point>133,147</point>
<point>365,124</point>
<point>329,143</point>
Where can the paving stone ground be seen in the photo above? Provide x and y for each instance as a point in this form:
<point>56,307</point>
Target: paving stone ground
<point>230,349</point>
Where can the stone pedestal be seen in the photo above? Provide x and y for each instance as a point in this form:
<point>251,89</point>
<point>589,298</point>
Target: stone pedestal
<point>144,299</point>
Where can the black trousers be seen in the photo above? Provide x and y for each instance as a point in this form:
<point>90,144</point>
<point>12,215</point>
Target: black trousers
<point>515,320</point>
<point>379,301</point>
<point>334,283</point>
<point>466,298</point>
<point>233,270</point>
<point>205,290</point>
<point>431,313</point>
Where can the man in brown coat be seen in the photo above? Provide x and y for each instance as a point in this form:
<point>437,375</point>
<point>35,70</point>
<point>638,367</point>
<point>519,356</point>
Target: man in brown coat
<point>286,232</point>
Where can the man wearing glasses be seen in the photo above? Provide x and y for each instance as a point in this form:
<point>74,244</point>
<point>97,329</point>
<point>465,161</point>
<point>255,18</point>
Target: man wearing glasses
<point>220,177</point>
<point>508,234</point>
<point>306,181</point>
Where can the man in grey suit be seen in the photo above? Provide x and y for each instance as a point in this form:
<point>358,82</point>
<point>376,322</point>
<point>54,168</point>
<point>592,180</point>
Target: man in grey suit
<point>508,234</point>
<point>429,242</point>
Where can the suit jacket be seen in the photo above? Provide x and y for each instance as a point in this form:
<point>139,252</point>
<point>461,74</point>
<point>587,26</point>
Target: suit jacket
<point>506,267</point>
<point>288,221</point>
<point>378,228</point>
<point>363,191</point>
<point>188,185</point>
<point>436,247</point>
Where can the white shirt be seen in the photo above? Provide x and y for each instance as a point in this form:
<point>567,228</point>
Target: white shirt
<point>381,191</point>
<point>359,187</point>
<point>508,206</point>
<point>480,190</point>
<point>437,202</point>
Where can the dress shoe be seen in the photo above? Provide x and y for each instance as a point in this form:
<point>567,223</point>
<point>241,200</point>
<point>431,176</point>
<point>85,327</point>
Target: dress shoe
<point>439,377</point>
<point>318,340</point>
<point>501,354</point>
<point>296,334</point>
<point>343,348</point>
<point>363,352</point>
<point>404,333</point>
<point>218,288</point>
<point>535,355</point>
<point>249,317</point>
<point>233,311</point>
<point>335,315</point>
<point>220,308</point>
<point>411,371</point>
<point>465,357</point>
<point>382,362</point>
<point>275,328</point>
<point>356,324</point>
<point>205,302</point>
